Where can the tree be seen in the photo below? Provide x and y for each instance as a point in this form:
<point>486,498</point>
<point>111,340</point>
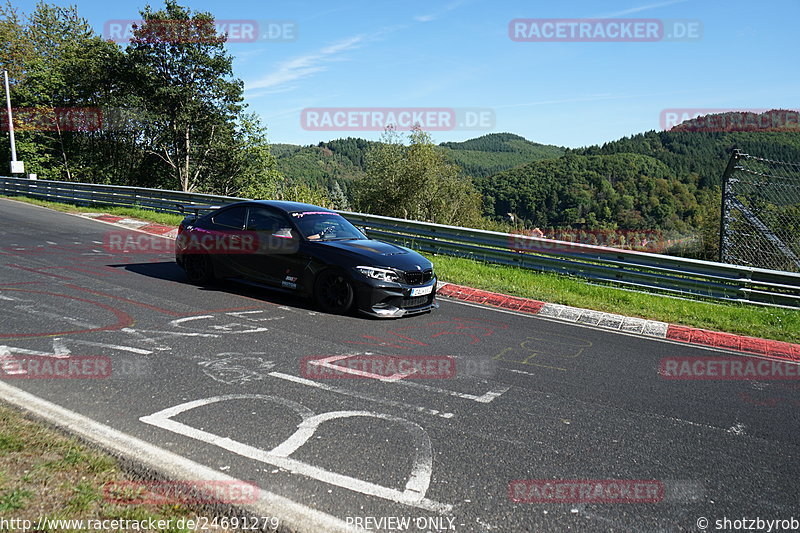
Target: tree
<point>184,82</point>
<point>58,67</point>
<point>246,168</point>
<point>16,48</point>
<point>338,197</point>
<point>415,182</point>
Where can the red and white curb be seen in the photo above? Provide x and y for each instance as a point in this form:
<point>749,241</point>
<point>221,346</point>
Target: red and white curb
<point>130,223</point>
<point>651,328</point>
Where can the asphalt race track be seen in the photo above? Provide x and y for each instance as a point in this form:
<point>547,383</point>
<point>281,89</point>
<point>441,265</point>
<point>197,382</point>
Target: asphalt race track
<point>215,375</point>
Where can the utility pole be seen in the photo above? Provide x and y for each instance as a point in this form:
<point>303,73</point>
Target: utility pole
<point>17,167</point>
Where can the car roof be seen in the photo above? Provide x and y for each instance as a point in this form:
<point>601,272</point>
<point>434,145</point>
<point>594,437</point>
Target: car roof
<point>287,207</point>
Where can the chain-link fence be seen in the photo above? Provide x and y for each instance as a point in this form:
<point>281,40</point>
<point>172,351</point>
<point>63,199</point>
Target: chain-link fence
<point>761,213</point>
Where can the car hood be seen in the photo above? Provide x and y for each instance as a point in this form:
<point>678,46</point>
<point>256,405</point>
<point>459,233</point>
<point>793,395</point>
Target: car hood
<point>377,253</point>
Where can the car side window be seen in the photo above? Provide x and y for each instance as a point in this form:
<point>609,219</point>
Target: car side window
<point>260,219</point>
<point>231,218</point>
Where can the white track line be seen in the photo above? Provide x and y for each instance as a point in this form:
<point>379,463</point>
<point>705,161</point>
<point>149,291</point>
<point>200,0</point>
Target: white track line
<point>362,396</point>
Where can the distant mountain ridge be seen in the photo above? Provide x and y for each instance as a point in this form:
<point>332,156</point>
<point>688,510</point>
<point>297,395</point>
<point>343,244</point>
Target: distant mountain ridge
<point>495,152</point>
<point>343,160</point>
<point>699,148</point>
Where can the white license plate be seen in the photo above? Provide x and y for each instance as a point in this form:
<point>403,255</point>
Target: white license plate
<point>421,291</point>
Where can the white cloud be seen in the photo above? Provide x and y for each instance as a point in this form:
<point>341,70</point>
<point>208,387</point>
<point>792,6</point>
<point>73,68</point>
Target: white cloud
<point>303,66</point>
<point>640,8</point>
<point>433,16</point>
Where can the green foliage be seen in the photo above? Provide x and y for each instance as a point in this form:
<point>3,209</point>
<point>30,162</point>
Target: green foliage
<point>344,161</point>
<point>168,109</point>
<point>621,191</point>
<point>352,148</point>
<point>415,182</point>
<point>301,192</point>
<point>247,169</point>
<point>668,180</point>
<point>338,197</point>
<point>317,166</point>
<point>13,500</point>
<point>16,47</point>
<point>701,156</point>
<point>493,153</point>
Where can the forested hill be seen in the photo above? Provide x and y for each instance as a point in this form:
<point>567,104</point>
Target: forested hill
<point>342,160</point>
<point>690,148</point>
<point>489,154</point>
<point>331,165</point>
<point>629,191</point>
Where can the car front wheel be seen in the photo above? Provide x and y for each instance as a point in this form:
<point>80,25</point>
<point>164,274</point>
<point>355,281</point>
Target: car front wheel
<point>333,292</point>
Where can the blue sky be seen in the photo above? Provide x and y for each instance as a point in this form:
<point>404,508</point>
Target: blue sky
<point>458,54</point>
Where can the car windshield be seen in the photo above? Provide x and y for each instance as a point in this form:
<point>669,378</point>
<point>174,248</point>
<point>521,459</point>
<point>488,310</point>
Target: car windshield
<point>325,226</point>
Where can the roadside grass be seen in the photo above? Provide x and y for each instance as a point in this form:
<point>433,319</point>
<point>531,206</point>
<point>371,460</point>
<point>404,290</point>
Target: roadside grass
<point>44,473</point>
<point>744,319</point>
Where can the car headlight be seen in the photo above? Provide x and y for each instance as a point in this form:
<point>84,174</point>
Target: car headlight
<point>382,274</point>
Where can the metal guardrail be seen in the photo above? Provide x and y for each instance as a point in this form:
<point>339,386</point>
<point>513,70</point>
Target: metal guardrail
<point>116,195</point>
<point>628,268</point>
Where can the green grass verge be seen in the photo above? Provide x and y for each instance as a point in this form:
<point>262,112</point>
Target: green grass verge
<point>44,473</point>
<point>744,319</point>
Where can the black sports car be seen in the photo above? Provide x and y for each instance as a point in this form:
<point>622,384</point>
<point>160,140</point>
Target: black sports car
<point>307,250</point>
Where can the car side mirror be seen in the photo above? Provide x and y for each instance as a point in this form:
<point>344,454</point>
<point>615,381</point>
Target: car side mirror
<point>284,233</point>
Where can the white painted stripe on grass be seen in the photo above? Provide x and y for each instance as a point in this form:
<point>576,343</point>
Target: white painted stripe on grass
<point>294,516</point>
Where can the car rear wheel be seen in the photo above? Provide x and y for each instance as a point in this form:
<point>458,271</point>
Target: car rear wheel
<point>333,292</point>
<point>198,269</point>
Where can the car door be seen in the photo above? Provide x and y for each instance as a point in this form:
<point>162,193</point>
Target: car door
<point>223,237</point>
<point>277,244</point>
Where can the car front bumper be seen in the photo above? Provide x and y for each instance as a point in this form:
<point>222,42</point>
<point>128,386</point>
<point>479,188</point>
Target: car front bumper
<point>393,300</point>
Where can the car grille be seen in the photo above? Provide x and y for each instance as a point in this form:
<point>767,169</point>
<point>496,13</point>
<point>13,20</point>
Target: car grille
<point>417,277</point>
<point>416,302</point>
